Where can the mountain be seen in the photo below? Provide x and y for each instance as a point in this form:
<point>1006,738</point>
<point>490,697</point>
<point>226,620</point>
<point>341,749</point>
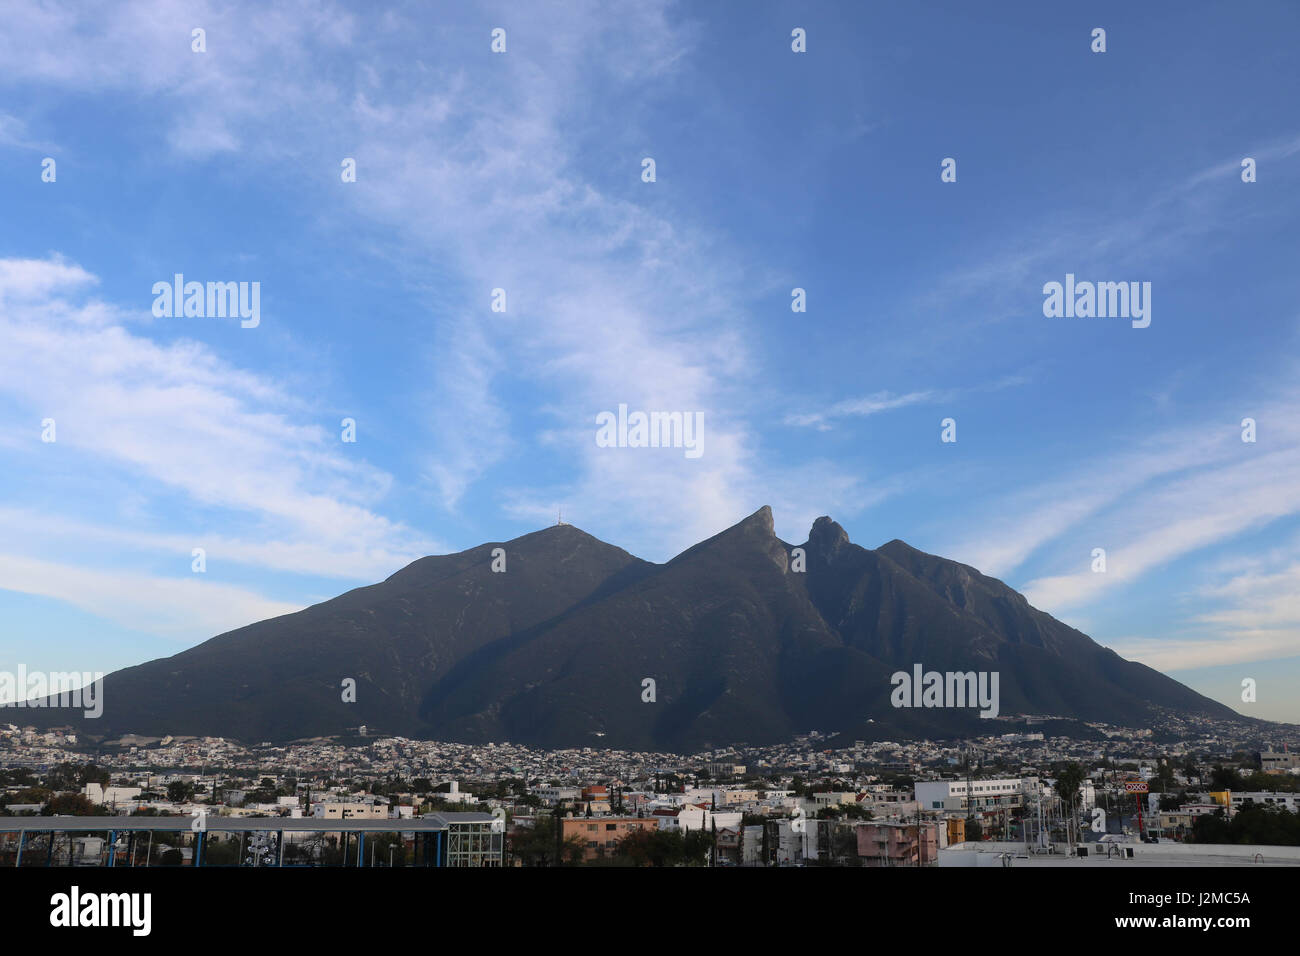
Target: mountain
<point>742,645</point>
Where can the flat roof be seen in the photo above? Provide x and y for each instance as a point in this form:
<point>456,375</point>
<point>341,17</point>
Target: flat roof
<point>433,821</point>
<point>1144,854</point>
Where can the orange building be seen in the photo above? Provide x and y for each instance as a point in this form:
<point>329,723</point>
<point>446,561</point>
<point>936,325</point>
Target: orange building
<point>601,834</point>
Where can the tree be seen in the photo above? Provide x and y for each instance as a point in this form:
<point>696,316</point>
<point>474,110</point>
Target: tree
<point>656,847</point>
<point>178,791</point>
<point>640,847</point>
<point>695,847</point>
<point>378,848</point>
<point>539,844</point>
<point>1261,824</point>
<point>1225,778</point>
<point>1068,782</point>
<point>72,805</point>
<point>28,795</point>
<point>221,849</point>
<point>1172,801</point>
<point>71,776</point>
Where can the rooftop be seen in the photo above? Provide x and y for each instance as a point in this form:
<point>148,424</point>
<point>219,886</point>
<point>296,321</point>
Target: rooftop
<point>433,821</point>
<point>994,853</point>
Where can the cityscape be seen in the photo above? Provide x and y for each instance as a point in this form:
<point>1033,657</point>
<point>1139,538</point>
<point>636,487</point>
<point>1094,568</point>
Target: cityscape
<point>773,450</point>
<point>1226,794</point>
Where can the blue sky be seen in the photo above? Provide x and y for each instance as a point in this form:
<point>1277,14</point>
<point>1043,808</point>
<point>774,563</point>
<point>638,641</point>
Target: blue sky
<point>774,170</point>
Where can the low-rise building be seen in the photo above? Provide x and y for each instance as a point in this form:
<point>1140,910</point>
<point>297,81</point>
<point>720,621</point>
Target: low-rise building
<point>898,844</point>
<point>110,796</point>
<point>350,811</point>
<point>601,835</point>
<point>1272,762</point>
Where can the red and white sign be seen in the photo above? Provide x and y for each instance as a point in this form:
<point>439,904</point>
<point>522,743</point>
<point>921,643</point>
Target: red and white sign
<point>1135,786</point>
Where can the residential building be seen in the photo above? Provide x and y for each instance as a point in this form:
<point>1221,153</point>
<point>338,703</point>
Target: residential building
<point>898,844</point>
<point>602,834</point>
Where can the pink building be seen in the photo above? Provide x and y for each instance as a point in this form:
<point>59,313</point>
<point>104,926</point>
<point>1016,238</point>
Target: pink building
<point>898,844</point>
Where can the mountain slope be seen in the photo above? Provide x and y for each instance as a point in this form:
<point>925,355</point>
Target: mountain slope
<point>741,644</point>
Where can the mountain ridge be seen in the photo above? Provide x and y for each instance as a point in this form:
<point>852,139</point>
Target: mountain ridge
<point>554,648</point>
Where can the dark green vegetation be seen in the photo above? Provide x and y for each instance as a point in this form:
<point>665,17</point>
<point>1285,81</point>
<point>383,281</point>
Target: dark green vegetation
<point>1261,825</point>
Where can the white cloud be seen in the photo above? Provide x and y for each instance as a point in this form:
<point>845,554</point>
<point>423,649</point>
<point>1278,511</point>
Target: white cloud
<point>1184,516</point>
<point>609,300</point>
<point>859,408</point>
<point>180,608</point>
<point>177,420</point>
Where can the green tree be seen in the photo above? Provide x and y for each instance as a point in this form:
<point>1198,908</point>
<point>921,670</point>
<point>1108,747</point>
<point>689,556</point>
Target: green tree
<point>72,805</point>
<point>1068,782</point>
<point>536,845</point>
<point>696,846</point>
<point>178,791</point>
<point>1226,778</point>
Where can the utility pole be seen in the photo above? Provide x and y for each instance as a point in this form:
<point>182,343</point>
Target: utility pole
<point>970,792</point>
<point>918,835</point>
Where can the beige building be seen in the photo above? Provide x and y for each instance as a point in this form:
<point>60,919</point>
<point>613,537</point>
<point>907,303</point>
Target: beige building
<point>350,811</point>
<point>601,834</point>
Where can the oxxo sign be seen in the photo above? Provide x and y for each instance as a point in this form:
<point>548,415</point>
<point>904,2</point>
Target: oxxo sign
<point>1135,786</point>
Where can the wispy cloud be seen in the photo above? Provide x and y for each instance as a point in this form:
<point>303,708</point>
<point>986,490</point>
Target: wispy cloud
<point>170,420</point>
<point>885,401</point>
<point>860,408</point>
<point>181,609</point>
